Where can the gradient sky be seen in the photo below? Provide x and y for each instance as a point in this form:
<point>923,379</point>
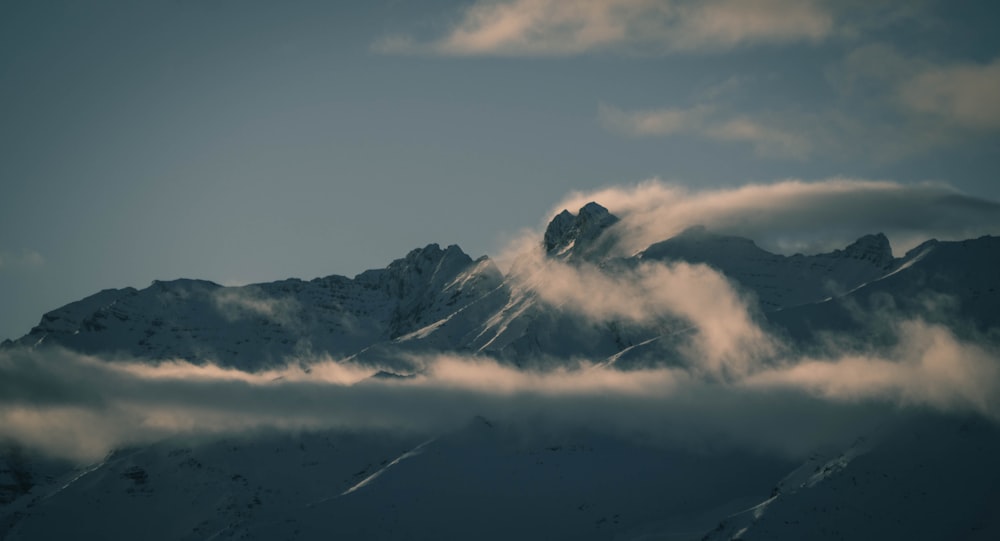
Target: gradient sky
<point>254,140</point>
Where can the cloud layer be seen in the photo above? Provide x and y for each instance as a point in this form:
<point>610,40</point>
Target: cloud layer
<point>80,407</point>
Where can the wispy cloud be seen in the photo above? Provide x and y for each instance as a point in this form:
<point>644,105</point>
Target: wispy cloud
<point>793,215</point>
<point>769,135</point>
<point>793,134</point>
<point>669,121</point>
<point>964,94</point>
<point>558,28</point>
<point>929,366</point>
<point>724,336</point>
<point>242,302</point>
<point>952,95</point>
<point>889,106</point>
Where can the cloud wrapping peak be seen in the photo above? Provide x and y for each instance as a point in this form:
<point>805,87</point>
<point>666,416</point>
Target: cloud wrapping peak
<point>558,28</point>
<point>795,216</point>
<point>723,334</point>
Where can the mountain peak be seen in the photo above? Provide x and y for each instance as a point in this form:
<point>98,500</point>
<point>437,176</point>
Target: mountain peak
<point>593,209</point>
<point>873,247</point>
<point>575,233</point>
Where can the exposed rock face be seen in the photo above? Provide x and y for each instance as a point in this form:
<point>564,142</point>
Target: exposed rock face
<point>872,248</point>
<point>580,235</point>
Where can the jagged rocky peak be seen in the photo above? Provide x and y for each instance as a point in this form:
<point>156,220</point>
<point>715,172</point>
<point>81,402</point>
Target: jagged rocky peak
<point>424,268</point>
<point>874,248</point>
<point>576,233</point>
<point>431,256</point>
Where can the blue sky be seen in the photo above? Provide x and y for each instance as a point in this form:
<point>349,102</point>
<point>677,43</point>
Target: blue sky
<point>253,140</point>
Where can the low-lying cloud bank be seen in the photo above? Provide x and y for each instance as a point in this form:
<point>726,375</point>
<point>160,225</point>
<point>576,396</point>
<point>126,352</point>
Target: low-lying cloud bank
<point>80,407</point>
<point>795,216</point>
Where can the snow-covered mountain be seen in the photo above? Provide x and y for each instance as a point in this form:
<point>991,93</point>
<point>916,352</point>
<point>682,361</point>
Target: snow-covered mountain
<point>919,475</point>
<point>442,300</point>
<point>264,324</point>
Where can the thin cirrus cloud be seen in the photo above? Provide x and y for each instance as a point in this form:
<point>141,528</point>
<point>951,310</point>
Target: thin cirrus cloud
<point>795,216</point>
<point>558,28</point>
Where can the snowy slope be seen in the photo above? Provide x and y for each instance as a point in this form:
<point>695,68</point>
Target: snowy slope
<point>263,324</point>
<point>955,284</point>
<point>779,281</point>
<point>925,477</point>
<point>485,481</point>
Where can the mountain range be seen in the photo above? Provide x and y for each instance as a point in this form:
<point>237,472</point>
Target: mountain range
<point>915,468</point>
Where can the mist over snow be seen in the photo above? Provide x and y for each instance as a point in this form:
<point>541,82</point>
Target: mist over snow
<point>79,407</point>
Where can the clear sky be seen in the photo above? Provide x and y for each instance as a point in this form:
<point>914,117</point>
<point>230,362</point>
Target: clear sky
<point>254,140</point>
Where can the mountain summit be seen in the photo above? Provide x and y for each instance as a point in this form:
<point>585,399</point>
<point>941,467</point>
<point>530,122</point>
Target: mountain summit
<point>577,235</point>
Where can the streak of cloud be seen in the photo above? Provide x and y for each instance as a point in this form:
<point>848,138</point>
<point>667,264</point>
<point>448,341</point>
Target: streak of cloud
<point>247,302</point>
<point>555,28</point>
<point>769,135</point>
